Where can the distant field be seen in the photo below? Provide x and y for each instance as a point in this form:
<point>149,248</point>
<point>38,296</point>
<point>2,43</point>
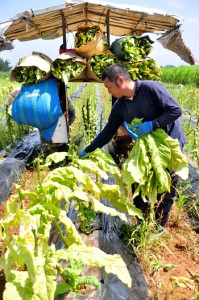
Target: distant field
<point>181,75</point>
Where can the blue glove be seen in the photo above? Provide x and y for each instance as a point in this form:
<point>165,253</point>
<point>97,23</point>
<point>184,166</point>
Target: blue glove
<point>142,129</point>
<point>128,127</point>
<point>82,153</point>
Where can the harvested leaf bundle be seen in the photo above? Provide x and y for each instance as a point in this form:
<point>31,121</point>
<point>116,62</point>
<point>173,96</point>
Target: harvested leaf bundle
<point>145,70</point>
<point>68,66</point>
<point>151,159</point>
<point>144,44</point>
<point>131,48</point>
<point>31,69</point>
<point>90,41</point>
<point>28,75</point>
<point>98,63</point>
<point>85,35</point>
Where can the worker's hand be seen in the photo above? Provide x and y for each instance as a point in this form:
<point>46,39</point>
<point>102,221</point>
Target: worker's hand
<point>142,129</point>
<point>129,129</point>
<point>82,154</point>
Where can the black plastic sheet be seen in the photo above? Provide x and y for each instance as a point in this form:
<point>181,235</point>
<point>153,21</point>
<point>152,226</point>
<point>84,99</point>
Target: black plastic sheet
<point>105,235</point>
<point>27,149</point>
<point>16,161</point>
<point>10,172</point>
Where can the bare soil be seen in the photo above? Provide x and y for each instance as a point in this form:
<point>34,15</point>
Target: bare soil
<point>178,247</point>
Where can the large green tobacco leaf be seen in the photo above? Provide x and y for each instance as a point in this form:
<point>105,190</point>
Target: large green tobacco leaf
<point>56,192</point>
<point>45,284</point>
<point>97,206</point>
<point>91,167</point>
<point>56,157</point>
<point>179,163</point>
<point>72,234</point>
<point>112,193</point>
<point>105,162</point>
<point>109,191</point>
<point>136,165</point>
<point>37,280</point>
<point>19,288</point>
<point>160,157</point>
<point>71,176</point>
<point>68,176</point>
<point>53,211</point>
<point>92,256</point>
<point>100,207</point>
<point>171,153</point>
<point>151,159</point>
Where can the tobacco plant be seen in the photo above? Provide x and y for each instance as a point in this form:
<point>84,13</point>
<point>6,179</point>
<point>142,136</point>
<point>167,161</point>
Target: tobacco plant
<point>89,118</point>
<point>32,264</point>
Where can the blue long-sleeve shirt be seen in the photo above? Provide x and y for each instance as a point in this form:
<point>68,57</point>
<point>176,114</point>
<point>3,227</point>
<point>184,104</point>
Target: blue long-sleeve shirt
<point>151,102</point>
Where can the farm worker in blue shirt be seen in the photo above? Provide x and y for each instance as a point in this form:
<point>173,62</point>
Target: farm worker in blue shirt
<point>150,101</point>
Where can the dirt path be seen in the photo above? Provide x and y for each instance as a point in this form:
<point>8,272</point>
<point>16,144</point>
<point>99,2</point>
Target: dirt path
<point>174,274</point>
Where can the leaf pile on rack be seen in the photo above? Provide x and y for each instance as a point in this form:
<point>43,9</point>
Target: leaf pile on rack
<point>99,63</point>
<point>135,49</point>
<point>28,74</point>
<point>85,35</point>
<point>70,68</point>
<point>144,70</point>
<point>144,44</point>
<point>130,49</point>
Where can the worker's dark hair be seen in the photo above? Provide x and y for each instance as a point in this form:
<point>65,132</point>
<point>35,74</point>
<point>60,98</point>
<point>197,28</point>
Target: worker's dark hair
<point>112,72</point>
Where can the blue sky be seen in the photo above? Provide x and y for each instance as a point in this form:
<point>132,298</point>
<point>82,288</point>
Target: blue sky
<point>187,9</point>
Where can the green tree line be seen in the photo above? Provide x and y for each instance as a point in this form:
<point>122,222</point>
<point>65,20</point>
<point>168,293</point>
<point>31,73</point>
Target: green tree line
<point>4,65</point>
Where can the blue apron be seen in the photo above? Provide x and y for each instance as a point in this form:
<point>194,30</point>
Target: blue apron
<point>38,105</point>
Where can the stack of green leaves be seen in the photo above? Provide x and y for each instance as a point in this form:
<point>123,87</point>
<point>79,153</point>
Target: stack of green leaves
<point>99,63</point>
<point>151,159</point>
<point>135,49</point>
<point>130,49</point>
<point>85,35</point>
<point>28,74</point>
<point>144,45</point>
<point>67,68</point>
<point>145,70</point>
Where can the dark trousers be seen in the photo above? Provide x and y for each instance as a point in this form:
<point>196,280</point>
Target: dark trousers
<point>163,205</point>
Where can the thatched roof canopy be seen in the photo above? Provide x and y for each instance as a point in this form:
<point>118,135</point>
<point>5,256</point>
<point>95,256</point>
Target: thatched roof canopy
<point>114,19</point>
